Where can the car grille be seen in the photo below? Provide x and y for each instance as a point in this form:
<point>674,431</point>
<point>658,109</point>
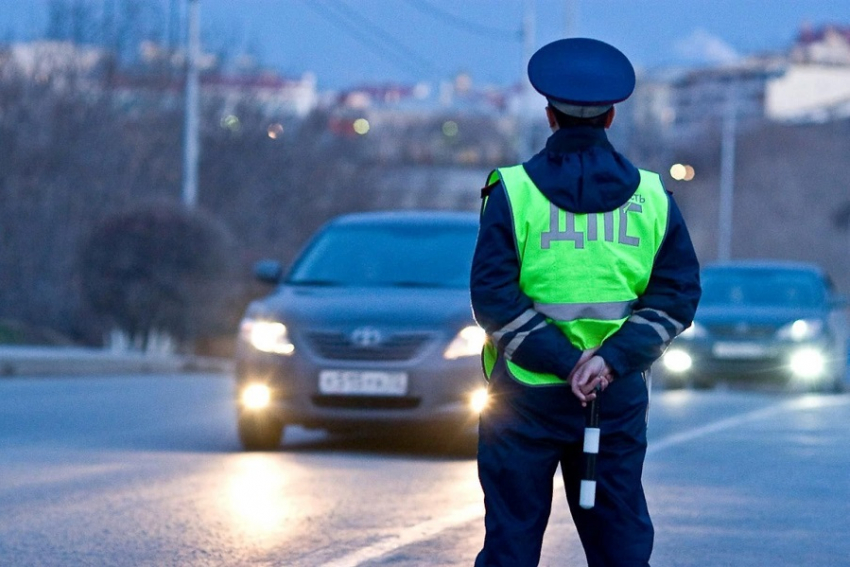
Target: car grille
<point>338,346</point>
<point>365,402</point>
<point>739,331</point>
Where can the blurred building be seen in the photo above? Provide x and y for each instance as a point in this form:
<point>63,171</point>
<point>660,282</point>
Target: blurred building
<point>810,82</point>
<point>274,94</point>
<point>702,98</point>
<point>449,123</point>
<point>56,62</point>
<point>459,95</point>
<point>809,92</point>
<point>827,45</point>
<point>156,79</point>
<point>687,103</point>
<point>815,86</point>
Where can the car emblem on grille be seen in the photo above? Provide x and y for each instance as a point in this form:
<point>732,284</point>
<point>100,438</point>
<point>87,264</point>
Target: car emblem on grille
<point>742,328</point>
<point>366,337</point>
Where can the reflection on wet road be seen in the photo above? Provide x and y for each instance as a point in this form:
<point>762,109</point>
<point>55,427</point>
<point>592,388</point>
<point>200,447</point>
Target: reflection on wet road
<point>148,471</point>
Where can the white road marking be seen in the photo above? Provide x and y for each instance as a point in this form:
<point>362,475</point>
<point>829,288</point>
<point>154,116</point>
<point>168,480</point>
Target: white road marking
<point>430,528</point>
<point>805,402</point>
<point>413,534</point>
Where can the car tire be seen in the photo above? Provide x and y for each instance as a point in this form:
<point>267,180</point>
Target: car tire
<point>259,432</point>
<point>664,380</point>
<point>460,439</point>
<point>673,384</point>
<point>700,383</point>
<point>836,384</point>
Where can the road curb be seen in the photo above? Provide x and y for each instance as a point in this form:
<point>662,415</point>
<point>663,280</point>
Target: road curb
<point>45,361</point>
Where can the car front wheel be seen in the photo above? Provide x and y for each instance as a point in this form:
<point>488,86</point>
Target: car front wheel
<point>701,383</point>
<point>836,384</point>
<point>258,432</point>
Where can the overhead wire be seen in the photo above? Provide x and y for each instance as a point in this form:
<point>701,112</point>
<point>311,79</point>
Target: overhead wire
<point>464,24</point>
<point>380,42</point>
<point>387,37</point>
<point>365,39</point>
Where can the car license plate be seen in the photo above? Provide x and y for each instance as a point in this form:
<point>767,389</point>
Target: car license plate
<point>740,350</point>
<point>362,383</point>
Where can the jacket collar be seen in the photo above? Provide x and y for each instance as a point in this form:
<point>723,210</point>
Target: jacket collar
<point>580,171</point>
<point>576,139</point>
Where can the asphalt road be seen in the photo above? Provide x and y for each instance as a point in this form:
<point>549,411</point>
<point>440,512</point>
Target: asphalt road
<point>146,470</point>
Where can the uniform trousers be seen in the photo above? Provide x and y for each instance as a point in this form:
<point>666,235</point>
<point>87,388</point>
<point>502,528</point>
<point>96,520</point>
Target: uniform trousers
<point>525,433</point>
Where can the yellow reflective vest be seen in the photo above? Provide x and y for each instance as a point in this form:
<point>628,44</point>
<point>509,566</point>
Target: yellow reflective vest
<point>582,271</point>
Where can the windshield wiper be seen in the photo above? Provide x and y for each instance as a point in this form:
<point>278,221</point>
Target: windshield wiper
<point>416,284</point>
<point>324,283</point>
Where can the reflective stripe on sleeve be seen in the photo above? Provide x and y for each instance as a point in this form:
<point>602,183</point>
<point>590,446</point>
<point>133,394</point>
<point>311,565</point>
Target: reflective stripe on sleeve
<point>678,327</point>
<point>609,311</point>
<point>658,327</point>
<point>517,340</point>
<point>515,325</point>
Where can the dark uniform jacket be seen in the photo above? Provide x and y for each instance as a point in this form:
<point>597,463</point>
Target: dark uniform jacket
<point>579,171</point>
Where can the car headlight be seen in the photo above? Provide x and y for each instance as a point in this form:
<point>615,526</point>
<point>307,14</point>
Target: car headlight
<point>808,363</point>
<point>800,330</point>
<point>677,360</point>
<point>266,336</point>
<point>478,400</point>
<point>694,331</point>
<point>255,396</point>
<point>468,342</point>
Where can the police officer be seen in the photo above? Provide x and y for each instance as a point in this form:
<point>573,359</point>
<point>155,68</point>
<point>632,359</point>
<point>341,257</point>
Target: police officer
<point>582,275</point>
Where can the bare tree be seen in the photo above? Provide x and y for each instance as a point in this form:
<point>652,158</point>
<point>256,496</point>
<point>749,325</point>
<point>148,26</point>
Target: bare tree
<point>159,268</point>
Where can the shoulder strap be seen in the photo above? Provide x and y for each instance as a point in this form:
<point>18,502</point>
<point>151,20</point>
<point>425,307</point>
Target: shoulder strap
<point>487,189</point>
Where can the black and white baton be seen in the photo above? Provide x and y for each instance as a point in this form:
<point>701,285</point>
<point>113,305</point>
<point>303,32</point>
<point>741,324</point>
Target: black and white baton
<point>587,495</point>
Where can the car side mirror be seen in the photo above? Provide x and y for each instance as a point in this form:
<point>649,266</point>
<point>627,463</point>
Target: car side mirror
<point>268,271</point>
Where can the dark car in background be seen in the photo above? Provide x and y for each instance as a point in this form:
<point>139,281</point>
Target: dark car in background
<point>371,327</point>
<point>763,321</point>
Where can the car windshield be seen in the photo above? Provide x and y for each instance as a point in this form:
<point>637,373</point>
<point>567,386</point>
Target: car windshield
<point>761,287</point>
<point>402,255</point>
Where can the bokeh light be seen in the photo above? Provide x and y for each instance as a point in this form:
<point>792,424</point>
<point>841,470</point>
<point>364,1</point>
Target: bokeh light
<point>682,172</point>
<point>231,122</point>
<point>361,126</point>
<point>275,130</point>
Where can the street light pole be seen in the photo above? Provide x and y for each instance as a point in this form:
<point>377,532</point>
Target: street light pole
<point>190,131</point>
<point>571,17</point>
<point>524,122</point>
<point>727,175</point>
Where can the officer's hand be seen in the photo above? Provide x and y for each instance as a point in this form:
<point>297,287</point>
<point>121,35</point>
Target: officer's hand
<point>585,356</point>
<point>587,376</point>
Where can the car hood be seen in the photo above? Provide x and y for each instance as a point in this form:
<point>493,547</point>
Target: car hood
<point>776,316</point>
<point>347,306</point>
